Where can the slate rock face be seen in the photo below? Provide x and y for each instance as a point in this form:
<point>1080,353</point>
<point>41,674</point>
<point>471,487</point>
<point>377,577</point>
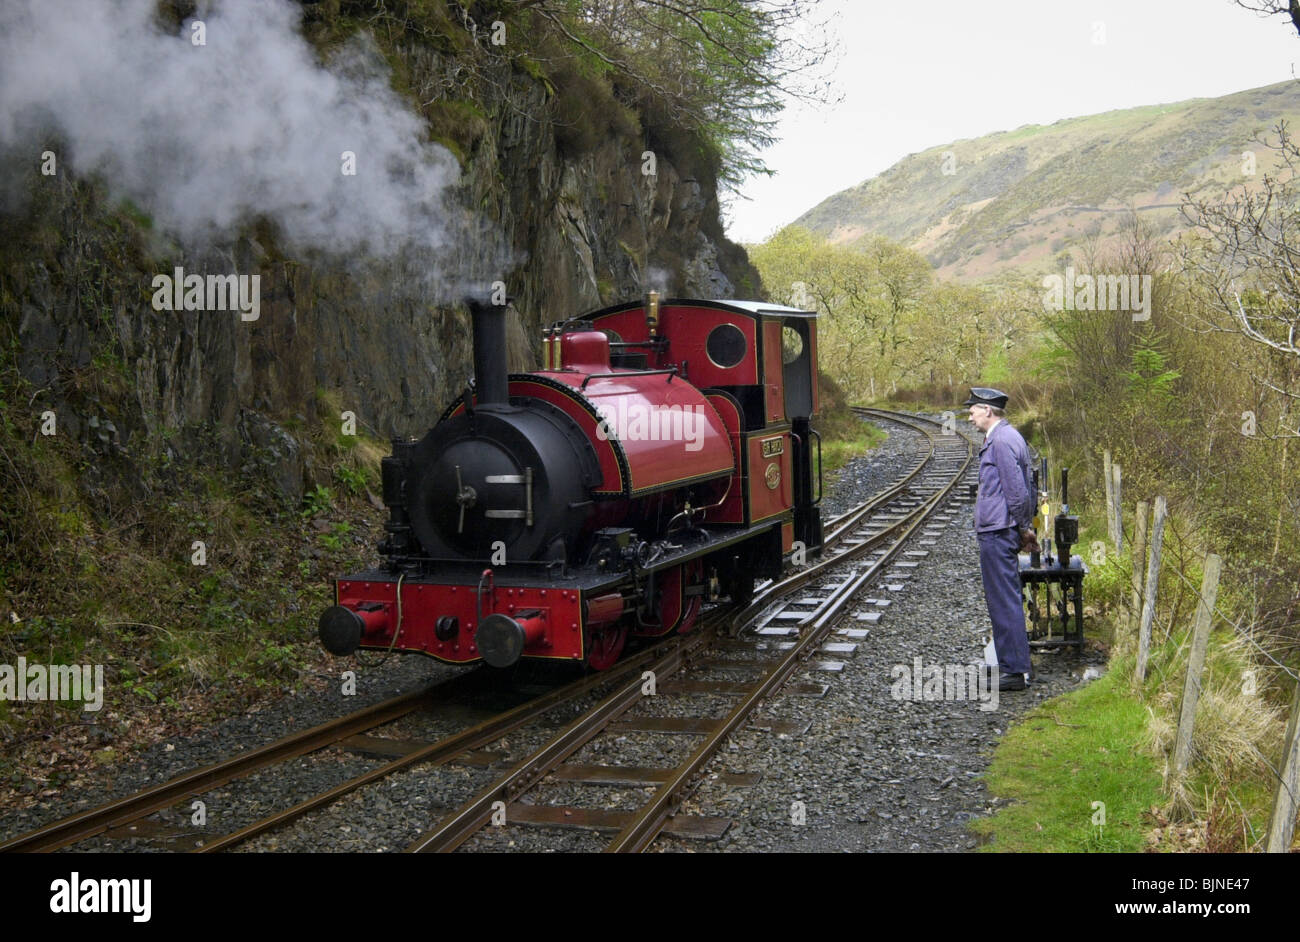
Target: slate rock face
<point>275,450</point>
<point>583,230</point>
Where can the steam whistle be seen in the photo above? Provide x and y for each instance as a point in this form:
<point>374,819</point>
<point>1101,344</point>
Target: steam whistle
<point>1066,524</point>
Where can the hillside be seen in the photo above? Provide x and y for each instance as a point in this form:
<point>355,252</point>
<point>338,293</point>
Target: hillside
<point>1016,199</point>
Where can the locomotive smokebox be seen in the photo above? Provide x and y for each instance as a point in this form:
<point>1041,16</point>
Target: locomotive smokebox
<point>491,374</point>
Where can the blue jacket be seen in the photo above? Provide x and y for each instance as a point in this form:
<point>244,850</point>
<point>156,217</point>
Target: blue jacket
<point>1006,497</point>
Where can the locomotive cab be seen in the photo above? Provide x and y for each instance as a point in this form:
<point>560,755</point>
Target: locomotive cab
<point>756,363</point>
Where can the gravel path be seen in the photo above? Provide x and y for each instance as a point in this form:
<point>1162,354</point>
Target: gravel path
<point>877,773</point>
<point>871,773</point>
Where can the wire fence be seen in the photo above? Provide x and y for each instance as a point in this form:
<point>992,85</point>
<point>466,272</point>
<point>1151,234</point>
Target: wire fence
<point>1220,615</point>
<point>1287,778</point>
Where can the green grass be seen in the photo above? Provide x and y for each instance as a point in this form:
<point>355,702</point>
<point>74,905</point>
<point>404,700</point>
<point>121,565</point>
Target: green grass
<point>1072,751</point>
<point>844,439</point>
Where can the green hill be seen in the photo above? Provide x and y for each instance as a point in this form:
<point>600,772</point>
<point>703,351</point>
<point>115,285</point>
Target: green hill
<point>1016,199</point>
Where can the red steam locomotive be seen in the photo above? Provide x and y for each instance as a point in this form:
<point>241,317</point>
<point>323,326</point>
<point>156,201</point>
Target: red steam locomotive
<point>661,457</point>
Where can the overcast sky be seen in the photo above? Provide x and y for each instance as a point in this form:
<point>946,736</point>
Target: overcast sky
<point>918,74</point>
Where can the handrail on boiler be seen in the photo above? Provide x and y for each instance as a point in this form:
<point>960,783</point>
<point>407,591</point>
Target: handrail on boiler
<point>672,371</point>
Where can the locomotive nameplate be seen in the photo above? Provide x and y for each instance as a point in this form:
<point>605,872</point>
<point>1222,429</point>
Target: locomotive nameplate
<point>773,446</point>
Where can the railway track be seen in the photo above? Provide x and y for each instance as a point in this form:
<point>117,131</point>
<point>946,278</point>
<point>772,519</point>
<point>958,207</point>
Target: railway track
<point>872,532</point>
<point>116,818</point>
<point>123,812</point>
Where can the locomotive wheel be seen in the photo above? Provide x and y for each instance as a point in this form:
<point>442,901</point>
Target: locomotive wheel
<point>604,645</point>
<point>673,609</point>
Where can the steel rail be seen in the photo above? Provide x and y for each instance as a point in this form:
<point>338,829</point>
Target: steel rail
<point>646,823</point>
<point>444,750</point>
<point>465,822</point>
<point>841,525</point>
<point>122,811</point>
<point>852,517</point>
<point>765,597</point>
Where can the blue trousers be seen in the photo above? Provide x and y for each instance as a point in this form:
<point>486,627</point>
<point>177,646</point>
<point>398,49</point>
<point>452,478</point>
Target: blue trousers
<point>1000,568</point>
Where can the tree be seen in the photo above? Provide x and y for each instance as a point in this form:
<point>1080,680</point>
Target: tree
<point>1287,8</point>
<point>1244,259</point>
<point>884,318</point>
<point>722,69</point>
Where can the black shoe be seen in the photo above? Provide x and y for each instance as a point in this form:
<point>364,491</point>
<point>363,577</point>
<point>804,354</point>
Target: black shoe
<point>1012,682</point>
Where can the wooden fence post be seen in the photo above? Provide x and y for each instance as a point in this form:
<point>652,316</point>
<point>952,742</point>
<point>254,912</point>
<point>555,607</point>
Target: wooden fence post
<point>1139,560</point>
<point>1281,823</point>
<point>1119,513</point>
<point>1196,662</point>
<point>1149,593</point>
<point>1108,478</point>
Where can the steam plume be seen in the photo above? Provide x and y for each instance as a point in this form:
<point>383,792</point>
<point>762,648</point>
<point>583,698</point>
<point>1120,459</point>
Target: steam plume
<point>206,137</point>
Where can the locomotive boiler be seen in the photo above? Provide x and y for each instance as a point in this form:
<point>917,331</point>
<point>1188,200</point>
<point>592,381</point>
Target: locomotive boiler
<point>663,456</point>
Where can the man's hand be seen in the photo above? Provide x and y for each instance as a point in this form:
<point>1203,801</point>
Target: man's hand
<point>1029,541</point>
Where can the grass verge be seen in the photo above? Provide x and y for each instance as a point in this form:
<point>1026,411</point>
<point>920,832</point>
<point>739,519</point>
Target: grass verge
<point>1061,758</point>
<point>845,436</point>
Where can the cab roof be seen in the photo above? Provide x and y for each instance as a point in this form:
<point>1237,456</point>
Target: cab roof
<point>750,308</point>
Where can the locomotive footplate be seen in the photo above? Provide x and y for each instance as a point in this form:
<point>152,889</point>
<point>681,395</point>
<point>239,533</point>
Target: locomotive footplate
<point>1058,620</point>
<point>689,545</point>
<point>545,610</point>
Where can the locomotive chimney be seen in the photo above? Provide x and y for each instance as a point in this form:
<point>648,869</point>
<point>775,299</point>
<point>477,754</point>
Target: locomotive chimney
<point>490,373</point>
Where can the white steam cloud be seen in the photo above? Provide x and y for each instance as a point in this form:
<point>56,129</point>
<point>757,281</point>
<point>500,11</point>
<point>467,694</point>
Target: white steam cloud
<point>207,137</point>
<point>659,279</point>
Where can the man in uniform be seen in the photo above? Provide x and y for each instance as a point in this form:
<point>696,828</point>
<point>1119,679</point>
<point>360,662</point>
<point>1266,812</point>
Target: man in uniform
<point>1004,511</point>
